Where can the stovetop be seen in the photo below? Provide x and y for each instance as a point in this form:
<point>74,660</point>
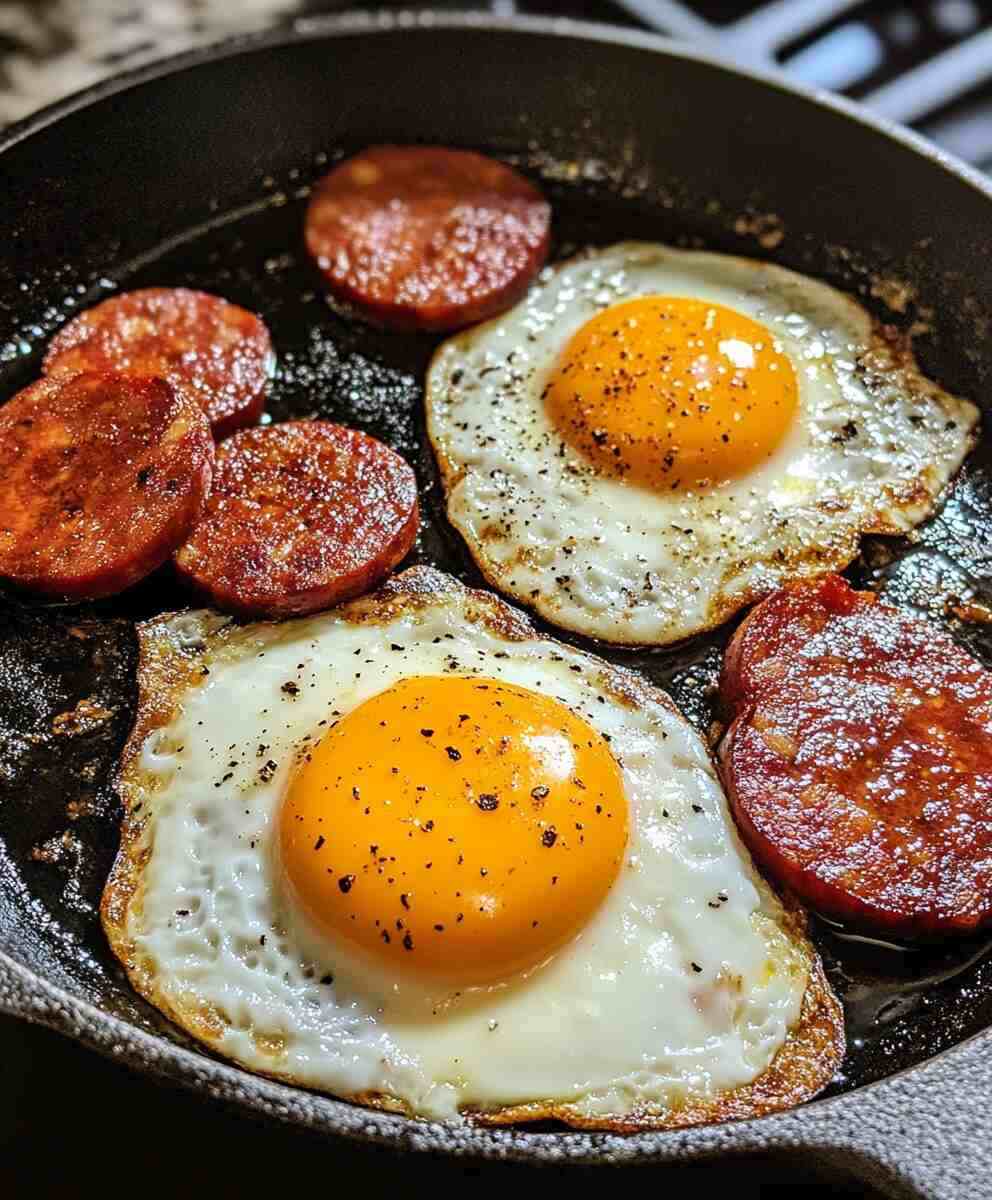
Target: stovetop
<point>924,62</point>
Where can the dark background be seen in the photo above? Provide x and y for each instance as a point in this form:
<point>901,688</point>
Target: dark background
<point>73,1123</point>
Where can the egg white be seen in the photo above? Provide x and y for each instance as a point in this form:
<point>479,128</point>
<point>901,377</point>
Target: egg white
<point>873,445</point>
<point>684,985</point>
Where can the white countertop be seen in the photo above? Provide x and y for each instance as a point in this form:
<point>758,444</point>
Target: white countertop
<point>49,48</point>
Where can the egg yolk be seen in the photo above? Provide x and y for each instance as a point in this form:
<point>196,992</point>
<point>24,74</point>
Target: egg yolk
<point>669,392</point>
<point>457,827</point>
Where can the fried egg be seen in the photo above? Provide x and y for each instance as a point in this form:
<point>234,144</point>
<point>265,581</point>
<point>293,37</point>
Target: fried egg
<point>654,438</point>
<point>410,853</point>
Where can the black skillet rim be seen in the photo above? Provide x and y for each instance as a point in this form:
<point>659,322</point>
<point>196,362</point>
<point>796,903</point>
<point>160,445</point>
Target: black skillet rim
<point>852,1129</point>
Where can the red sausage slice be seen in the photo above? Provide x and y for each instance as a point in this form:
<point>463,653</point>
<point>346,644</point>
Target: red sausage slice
<point>101,477</point>
<point>216,351</point>
<point>419,237</point>
<point>301,516</point>
<point>859,760</point>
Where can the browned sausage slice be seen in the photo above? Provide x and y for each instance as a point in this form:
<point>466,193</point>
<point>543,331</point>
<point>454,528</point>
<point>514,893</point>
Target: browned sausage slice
<point>301,516</point>
<point>420,237</point>
<point>101,477</point>
<point>216,351</point>
<point>859,760</point>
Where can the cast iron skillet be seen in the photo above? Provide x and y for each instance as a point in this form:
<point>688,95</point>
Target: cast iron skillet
<point>195,172</point>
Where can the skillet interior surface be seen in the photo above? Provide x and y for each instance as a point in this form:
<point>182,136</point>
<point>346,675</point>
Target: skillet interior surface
<point>200,179</point>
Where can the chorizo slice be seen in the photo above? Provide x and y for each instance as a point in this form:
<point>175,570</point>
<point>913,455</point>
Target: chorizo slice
<point>102,476</point>
<point>426,238</point>
<point>219,353</point>
<point>858,762</point>
<point>301,516</point>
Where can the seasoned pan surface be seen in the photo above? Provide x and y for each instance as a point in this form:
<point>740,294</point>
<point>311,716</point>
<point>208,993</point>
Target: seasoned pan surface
<point>201,180</point>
